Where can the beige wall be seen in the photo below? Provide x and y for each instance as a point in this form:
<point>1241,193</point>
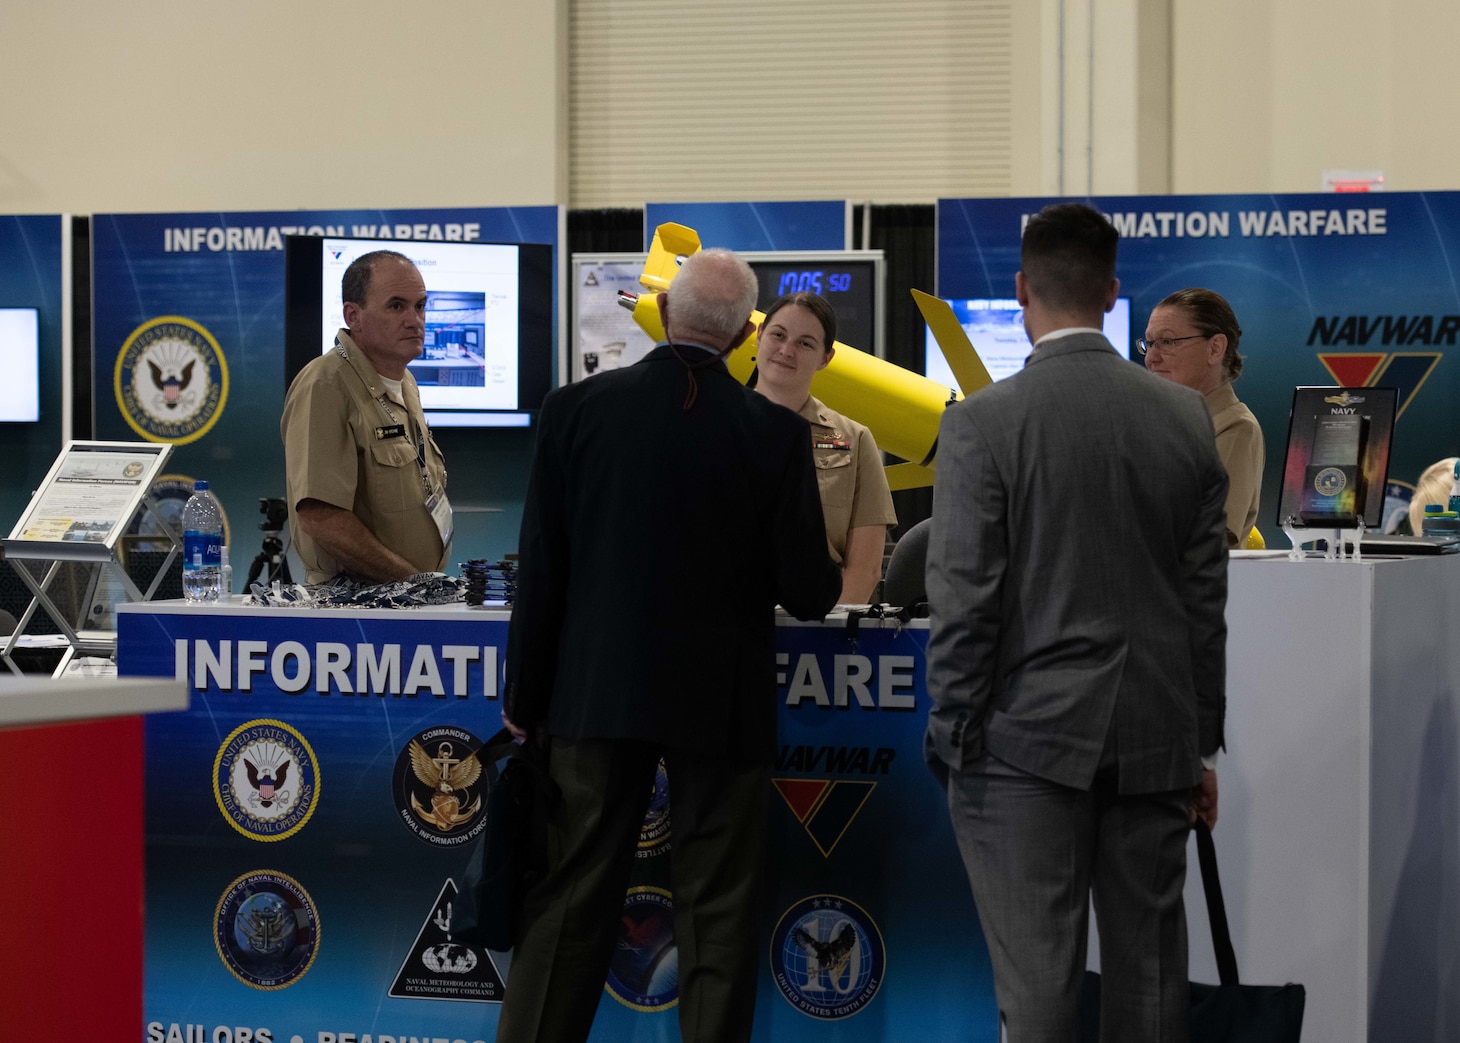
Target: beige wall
<point>1270,93</point>
<point>200,105</point>
<point>172,105</point>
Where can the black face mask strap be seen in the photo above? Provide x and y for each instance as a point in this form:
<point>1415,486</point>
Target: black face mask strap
<point>693,392</point>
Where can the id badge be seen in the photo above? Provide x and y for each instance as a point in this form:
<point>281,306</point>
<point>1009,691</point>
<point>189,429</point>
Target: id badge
<point>440,508</point>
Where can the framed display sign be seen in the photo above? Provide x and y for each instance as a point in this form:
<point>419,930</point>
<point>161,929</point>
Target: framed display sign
<point>1337,457</point>
<point>91,493</point>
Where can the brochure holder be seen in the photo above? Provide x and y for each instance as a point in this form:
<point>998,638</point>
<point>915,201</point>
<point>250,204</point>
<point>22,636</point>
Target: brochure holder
<point>1335,468</point>
<point>79,514</point>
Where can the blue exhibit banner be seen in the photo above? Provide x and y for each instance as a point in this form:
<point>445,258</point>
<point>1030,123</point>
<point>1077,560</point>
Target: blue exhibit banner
<point>31,277</point>
<point>209,289</point>
<point>805,225</point>
<point>302,851</point>
<point>1352,290</point>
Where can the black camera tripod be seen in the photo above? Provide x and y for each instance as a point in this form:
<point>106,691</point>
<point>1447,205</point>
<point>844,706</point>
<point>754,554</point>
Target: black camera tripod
<point>272,557</point>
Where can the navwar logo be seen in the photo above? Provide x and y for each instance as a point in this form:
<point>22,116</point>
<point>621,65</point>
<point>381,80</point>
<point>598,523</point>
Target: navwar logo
<point>824,807</point>
<point>1405,370</point>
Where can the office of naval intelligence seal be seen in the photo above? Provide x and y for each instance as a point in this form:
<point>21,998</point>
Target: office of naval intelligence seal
<point>266,780</point>
<point>171,380</point>
<point>827,957</point>
<point>266,930</point>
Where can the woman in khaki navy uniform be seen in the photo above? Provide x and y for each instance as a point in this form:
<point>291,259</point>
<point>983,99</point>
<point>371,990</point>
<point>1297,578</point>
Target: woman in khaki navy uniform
<point>366,481</point>
<point>794,342</point>
<point>1192,339</point>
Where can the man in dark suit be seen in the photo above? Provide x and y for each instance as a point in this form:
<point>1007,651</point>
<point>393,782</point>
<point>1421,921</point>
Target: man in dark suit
<point>1077,577</point>
<point>669,511</point>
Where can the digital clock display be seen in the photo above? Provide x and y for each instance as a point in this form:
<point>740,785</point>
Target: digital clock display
<point>817,281</point>
<point>849,286</point>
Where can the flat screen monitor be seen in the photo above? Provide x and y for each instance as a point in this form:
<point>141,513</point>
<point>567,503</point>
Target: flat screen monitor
<point>996,329</point>
<point>20,361</point>
<point>486,358</point>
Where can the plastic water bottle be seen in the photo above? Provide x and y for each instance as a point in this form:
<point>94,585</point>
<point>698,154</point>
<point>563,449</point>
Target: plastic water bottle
<point>1455,490</point>
<point>227,574</point>
<point>202,522</point>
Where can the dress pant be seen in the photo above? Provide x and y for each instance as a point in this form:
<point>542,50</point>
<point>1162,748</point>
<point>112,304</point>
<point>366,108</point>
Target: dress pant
<point>717,810</point>
<point>1036,852</point>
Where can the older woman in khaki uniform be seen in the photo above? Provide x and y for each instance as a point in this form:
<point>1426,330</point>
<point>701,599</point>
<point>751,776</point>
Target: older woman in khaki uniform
<point>1192,339</point>
<point>794,342</point>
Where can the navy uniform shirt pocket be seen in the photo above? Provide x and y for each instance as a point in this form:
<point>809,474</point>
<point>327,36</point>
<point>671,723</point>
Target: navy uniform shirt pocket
<point>394,477</point>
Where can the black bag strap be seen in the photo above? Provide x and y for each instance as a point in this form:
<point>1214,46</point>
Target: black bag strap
<point>1211,883</point>
<point>530,754</point>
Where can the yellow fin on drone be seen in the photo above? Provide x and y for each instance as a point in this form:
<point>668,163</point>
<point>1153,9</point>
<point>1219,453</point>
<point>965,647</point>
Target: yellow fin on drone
<point>908,476</point>
<point>968,368</point>
<point>672,244</point>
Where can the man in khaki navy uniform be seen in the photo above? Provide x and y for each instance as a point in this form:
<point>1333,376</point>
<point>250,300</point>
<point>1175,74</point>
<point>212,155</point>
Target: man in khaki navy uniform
<point>366,481</point>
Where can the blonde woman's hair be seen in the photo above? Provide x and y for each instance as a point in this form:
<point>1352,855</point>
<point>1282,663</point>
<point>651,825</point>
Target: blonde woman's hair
<point>1433,487</point>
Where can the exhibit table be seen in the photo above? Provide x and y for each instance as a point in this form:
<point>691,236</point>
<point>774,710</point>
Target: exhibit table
<point>1339,836</point>
<point>1339,828</point>
<point>29,700</point>
<point>302,853</point>
<point>71,871</point>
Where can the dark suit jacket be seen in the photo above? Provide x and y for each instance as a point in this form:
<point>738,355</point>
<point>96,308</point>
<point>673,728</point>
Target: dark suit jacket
<point>1077,573</point>
<point>656,543</point>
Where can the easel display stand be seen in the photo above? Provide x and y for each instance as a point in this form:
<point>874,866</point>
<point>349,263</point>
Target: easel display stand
<point>1336,465</point>
<point>91,495</point>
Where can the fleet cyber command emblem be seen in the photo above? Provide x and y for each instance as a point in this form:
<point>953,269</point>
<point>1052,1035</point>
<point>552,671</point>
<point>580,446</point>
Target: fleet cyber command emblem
<point>266,780</point>
<point>439,786</point>
<point>644,972</point>
<point>266,930</point>
<point>827,957</point>
<point>171,380</point>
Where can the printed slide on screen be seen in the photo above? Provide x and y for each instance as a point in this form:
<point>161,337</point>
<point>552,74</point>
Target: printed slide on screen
<point>469,359</point>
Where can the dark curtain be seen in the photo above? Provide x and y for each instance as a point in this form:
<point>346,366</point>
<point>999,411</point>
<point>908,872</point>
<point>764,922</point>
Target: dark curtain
<point>605,231</point>
<point>905,235</point>
<point>82,412</point>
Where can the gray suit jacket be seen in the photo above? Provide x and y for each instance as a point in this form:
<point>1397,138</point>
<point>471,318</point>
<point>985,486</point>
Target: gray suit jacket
<point>1077,574</point>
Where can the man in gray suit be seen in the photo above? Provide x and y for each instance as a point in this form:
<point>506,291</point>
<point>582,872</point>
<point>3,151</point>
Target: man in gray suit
<point>1077,578</point>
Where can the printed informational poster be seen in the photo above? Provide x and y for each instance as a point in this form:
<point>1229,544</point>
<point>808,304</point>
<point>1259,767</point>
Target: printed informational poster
<point>606,336</point>
<point>92,491</point>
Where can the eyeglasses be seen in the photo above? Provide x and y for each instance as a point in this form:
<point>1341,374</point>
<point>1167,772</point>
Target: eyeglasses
<point>1165,344</point>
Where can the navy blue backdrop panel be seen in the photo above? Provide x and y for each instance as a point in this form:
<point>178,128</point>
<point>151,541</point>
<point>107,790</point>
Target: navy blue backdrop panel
<point>1330,289</point>
<point>212,287</point>
<point>31,277</point>
<point>300,857</point>
<point>805,225</point>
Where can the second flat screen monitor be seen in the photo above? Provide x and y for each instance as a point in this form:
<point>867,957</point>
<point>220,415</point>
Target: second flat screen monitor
<point>996,329</point>
<point>487,348</point>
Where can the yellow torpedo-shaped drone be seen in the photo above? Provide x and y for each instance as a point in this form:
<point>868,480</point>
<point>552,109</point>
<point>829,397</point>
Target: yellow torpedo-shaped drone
<point>900,407</point>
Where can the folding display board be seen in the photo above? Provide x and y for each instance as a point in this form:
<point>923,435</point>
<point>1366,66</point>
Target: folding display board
<point>79,514</point>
